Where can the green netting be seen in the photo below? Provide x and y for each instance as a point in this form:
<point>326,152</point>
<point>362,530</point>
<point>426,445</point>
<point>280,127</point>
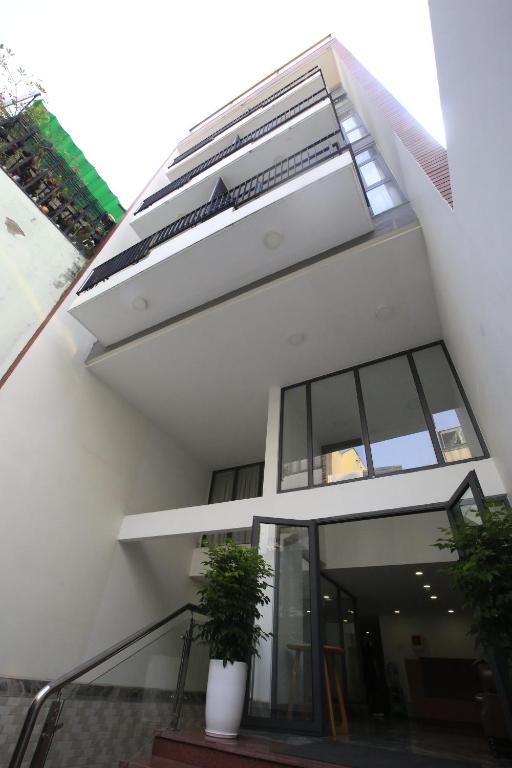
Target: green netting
<point>75,159</point>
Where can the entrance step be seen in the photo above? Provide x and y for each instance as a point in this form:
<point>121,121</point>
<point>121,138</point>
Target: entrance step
<point>187,749</point>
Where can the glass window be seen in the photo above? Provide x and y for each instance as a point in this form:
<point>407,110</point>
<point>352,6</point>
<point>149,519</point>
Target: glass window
<point>349,123</point>
<point>398,433</point>
<point>338,451</point>
<point>372,173</point>
<point>294,469</point>
<point>222,486</point>
<point>248,482</point>
<point>383,197</point>
<point>454,428</point>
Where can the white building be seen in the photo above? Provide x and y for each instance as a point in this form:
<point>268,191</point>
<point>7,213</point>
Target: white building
<point>303,317</point>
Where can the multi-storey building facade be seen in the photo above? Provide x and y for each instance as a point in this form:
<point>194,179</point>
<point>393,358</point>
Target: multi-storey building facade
<point>280,340</point>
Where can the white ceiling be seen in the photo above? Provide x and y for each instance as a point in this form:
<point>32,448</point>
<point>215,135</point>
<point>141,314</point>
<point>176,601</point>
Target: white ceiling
<point>205,379</point>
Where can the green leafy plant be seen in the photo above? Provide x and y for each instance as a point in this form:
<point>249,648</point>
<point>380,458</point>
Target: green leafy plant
<point>236,584</point>
<point>483,574</point>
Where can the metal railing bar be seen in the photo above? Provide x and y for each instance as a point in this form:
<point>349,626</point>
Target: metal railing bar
<point>273,97</point>
<point>251,137</point>
<point>235,197</point>
<point>86,666</point>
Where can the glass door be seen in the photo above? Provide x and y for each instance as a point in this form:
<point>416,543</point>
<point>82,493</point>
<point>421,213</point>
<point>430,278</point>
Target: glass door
<point>468,501</point>
<point>284,690</point>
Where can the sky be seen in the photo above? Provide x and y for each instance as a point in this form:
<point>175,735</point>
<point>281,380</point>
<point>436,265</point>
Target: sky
<point>127,80</point>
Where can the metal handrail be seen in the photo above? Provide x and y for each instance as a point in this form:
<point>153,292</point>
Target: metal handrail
<point>86,666</point>
<point>292,166</point>
<point>238,143</point>
<point>247,113</point>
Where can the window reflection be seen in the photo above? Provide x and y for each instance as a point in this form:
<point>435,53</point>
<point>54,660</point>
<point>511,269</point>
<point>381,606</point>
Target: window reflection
<point>399,436</point>
<point>455,432</point>
<point>338,450</point>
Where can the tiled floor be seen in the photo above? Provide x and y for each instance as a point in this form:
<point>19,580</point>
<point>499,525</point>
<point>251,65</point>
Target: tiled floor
<point>463,743</point>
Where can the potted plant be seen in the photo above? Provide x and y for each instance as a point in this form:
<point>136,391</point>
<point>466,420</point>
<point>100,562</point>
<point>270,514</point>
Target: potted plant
<point>483,575</point>
<point>236,583</point>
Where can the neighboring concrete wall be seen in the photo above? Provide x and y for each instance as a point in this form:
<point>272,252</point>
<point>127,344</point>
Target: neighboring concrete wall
<point>74,458</point>
<point>37,263</point>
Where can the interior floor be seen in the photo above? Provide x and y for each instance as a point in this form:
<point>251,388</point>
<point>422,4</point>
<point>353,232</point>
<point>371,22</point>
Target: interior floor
<point>454,742</point>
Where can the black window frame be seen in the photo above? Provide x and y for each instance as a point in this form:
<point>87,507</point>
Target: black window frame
<point>371,474</point>
<point>260,464</point>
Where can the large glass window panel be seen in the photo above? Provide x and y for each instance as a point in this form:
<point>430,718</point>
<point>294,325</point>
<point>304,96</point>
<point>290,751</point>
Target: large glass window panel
<point>248,482</point>
<point>384,197</point>
<point>281,685</point>
<point>338,450</point>
<point>294,447</point>
<point>456,434</point>
<point>222,486</point>
<point>372,173</point>
<point>398,433</point>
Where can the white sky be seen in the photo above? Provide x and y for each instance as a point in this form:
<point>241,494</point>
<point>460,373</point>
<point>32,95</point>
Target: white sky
<point>128,79</point>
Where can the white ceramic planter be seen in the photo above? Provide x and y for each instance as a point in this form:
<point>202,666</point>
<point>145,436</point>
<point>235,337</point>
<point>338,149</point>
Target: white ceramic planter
<point>225,698</point>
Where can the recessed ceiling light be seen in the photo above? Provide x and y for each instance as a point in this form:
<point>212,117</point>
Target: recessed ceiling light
<point>433,597</point>
<point>140,303</point>
<point>308,611</point>
<point>350,610</point>
<point>397,611</point>
<point>450,610</point>
<point>296,338</point>
<point>345,621</point>
<point>384,312</point>
<point>419,573</point>
<point>272,240</point>
<point>426,586</point>
<point>327,597</point>
<point>367,632</point>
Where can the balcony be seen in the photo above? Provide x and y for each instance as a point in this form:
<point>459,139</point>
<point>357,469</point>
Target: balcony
<point>302,108</point>
<point>306,204</point>
<point>281,137</point>
<point>312,74</point>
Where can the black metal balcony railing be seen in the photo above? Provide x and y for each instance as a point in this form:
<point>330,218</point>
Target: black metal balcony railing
<point>260,105</point>
<point>322,150</point>
<point>251,137</point>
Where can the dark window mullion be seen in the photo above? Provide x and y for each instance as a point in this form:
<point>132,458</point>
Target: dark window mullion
<point>235,481</point>
<point>364,424</point>
<point>426,410</point>
<point>309,430</point>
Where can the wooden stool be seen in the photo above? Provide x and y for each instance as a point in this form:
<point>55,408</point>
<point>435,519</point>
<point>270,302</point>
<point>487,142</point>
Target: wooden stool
<point>331,672</point>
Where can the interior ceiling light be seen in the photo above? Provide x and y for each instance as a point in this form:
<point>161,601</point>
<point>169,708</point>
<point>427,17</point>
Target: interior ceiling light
<point>450,610</point>
<point>350,610</point>
<point>397,611</point>
<point>419,573</point>
<point>384,312</point>
<point>433,597</point>
<point>426,586</point>
<point>296,338</point>
<point>140,303</point>
<point>345,621</point>
<point>327,597</point>
<point>272,240</point>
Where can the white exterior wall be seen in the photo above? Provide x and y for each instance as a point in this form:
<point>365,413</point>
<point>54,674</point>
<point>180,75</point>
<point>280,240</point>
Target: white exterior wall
<point>74,458</point>
<point>469,250</point>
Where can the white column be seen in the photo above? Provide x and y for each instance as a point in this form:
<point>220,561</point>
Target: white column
<point>272,444</point>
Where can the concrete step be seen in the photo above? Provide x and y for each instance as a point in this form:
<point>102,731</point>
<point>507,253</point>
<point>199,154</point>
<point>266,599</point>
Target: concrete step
<point>196,749</point>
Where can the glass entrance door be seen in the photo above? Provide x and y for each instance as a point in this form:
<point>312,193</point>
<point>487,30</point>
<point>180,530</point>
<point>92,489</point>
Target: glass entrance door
<point>284,687</point>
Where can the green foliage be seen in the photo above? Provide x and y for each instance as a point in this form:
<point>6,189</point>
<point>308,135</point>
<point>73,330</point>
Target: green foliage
<point>483,574</point>
<point>236,583</point>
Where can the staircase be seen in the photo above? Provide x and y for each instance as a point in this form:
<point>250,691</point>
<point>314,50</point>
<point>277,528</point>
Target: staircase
<point>182,749</point>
